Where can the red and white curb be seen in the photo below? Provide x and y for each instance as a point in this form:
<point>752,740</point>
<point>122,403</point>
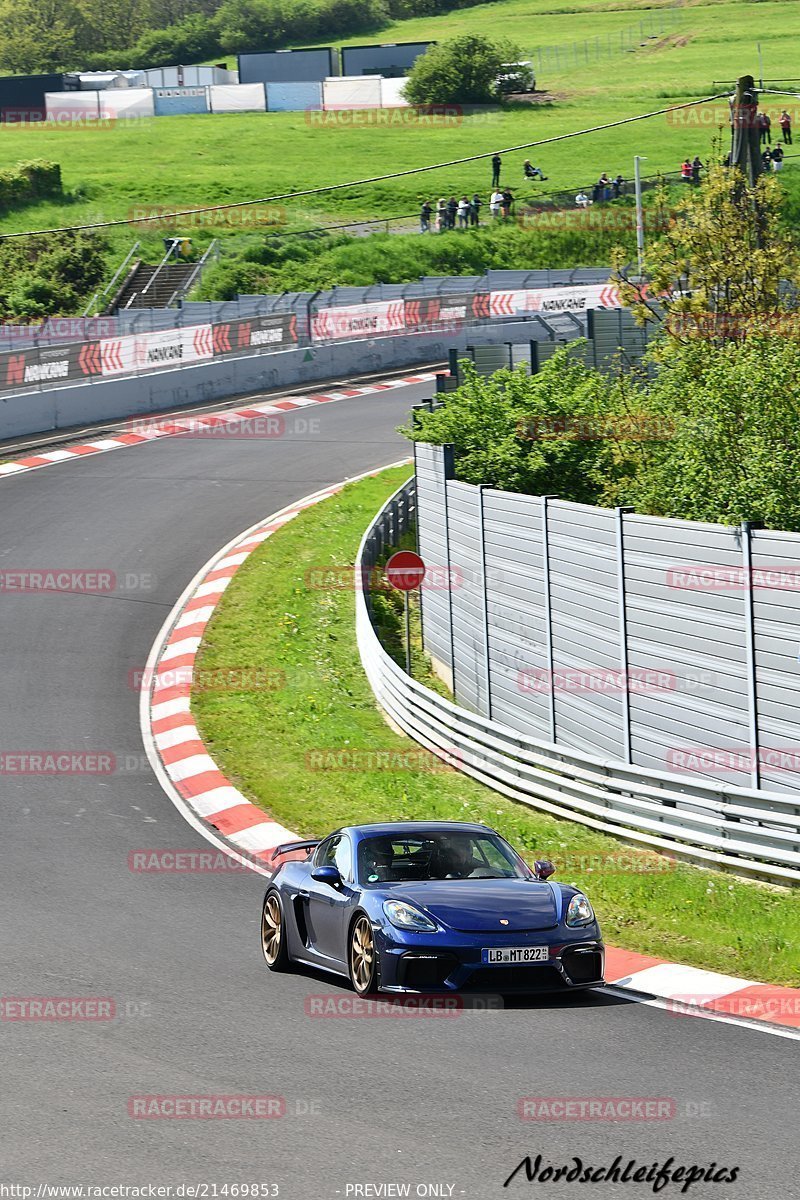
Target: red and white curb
<point>176,751</point>
<point>213,806</point>
<point>151,427</point>
<point>689,991</point>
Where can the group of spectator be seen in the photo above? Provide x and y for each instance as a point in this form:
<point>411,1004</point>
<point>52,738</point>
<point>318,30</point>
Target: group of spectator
<point>463,213</point>
<point>449,213</point>
<point>765,129</point>
<point>690,170</point>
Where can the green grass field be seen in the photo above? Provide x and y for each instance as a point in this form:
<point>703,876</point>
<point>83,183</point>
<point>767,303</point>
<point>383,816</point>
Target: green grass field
<point>269,742</point>
<point>197,160</point>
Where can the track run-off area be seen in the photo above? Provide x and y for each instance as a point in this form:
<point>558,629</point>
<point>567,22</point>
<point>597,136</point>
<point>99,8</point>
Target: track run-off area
<point>417,1102</point>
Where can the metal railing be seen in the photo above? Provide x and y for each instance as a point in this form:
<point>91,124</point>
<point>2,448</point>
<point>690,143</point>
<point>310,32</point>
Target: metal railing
<point>101,295</point>
<point>212,250</point>
<point>748,832</point>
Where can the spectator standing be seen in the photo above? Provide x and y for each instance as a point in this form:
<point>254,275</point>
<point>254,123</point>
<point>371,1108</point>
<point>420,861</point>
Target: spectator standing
<point>508,200</point>
<point>496,203</point>
<point>616,186</point>
<point>785,122</point>
<point>604,184</point>
<point>463,213</point>
<point>697,166</point>
<point>425,216</point>
<point>764,126</point>
<point>777,158</point>
<point>475,206</point>
<point>441,215</point>
<point>496,162</point>
<point>452,209</point>
<point>686,170</point>
<point>597,193</point>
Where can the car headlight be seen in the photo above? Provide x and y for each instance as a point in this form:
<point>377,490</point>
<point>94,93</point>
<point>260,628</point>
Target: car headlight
<point>579,911</point>
<point>405,916</point>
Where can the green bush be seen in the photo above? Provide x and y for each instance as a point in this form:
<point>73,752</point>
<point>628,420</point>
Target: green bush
<point>499,428</point>
<point>49,276</point>
<point>29,181</point>
<point>712,435</point>
<point>463,70</point>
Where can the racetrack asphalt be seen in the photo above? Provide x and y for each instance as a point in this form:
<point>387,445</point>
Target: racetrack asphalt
<point>404,1100</point>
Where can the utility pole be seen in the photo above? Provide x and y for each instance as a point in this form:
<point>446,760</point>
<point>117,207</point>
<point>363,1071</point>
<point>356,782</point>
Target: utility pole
<point>745,148</point>
<point>637,179</point>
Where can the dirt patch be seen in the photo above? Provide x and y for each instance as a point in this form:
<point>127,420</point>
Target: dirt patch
<point>671,40</point>
<point>535,97</point>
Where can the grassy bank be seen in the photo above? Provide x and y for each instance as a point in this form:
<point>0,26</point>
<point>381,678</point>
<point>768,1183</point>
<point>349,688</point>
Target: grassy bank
<point>187,161</point>
<point>273,744</point>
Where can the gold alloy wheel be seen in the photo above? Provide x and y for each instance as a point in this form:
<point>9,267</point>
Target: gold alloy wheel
<point>362,955</point>
<point>271,929</point>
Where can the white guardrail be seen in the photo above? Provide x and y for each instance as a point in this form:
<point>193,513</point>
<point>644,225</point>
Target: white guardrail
<point>745,831</point>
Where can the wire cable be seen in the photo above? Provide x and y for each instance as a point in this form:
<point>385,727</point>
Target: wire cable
<point>354,183</point>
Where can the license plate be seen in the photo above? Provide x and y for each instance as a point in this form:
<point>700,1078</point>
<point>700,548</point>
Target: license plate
<point>515,954</point>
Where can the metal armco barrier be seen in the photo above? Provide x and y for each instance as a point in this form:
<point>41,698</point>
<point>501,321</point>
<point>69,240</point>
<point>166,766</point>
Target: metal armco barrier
<point>203,331</point>
<point>47,365</point>
<point>747,831</point>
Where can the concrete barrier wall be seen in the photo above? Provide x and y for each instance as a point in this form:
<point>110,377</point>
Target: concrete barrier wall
<point>113,399</point>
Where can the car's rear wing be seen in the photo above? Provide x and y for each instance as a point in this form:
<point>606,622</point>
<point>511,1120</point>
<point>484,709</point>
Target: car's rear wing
<point>289,847</point>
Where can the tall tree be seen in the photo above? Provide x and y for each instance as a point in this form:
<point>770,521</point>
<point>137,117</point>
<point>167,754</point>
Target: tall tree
<point>112,24</point>
<point>38,35</point>
<point>723,264</point>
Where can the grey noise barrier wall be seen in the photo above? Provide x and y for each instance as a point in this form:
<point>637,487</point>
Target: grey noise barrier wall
<point>525,587</point>
<point>665,644</point>
<point>113,399</point>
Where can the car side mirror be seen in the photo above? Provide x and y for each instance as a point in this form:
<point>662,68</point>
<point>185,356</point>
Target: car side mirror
<point>327,874</point>
<point>543,869</point>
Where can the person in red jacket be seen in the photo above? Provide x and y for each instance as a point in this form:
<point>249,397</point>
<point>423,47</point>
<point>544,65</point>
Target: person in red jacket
<point>785,122</point>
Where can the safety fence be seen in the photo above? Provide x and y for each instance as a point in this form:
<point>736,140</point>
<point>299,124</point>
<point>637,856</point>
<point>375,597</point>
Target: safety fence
<point>61,353</point>
<point>611,341</point>
<point>571,55</point>
<point>742,829</point>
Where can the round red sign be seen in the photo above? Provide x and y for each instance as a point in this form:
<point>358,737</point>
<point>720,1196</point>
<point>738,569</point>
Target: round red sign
<point>405,570</point>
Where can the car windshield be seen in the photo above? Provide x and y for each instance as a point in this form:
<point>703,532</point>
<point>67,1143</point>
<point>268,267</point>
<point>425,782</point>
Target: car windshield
<point>394,858</point>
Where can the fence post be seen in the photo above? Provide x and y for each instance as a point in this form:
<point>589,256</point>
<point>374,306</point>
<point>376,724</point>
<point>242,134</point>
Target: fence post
<point>750,652</point>
<point>623,633</point>
<point>548,616</point>
<point>414,410</point>
<point>485,589</point>
<point>448,472</point>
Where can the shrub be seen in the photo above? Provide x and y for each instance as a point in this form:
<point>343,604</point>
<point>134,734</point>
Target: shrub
<point>463,70</point>
<point>29,181</point>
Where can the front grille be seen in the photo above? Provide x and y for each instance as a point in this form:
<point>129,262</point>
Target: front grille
<point>582,966</point>
<point>423,972</point>
<point>514,979</point>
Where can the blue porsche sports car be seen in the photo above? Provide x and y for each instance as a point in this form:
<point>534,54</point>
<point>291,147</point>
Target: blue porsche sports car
<point>430,906</point>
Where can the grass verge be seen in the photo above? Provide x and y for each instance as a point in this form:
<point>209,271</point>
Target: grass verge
<point>273,743</point>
